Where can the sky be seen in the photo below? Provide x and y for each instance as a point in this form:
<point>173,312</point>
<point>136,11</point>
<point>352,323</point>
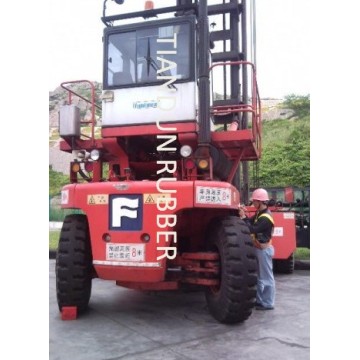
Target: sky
<point>282,38</point>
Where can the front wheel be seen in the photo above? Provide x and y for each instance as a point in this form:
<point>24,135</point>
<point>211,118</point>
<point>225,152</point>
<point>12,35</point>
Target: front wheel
<point>232,301</point>
<point>74,264</point>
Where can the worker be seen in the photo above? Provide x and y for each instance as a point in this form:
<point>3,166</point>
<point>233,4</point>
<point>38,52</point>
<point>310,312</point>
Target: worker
<point>261,227</point>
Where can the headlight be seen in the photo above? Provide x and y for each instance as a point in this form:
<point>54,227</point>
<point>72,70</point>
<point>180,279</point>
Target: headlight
<point>185,151</point>
<point>95,154</point>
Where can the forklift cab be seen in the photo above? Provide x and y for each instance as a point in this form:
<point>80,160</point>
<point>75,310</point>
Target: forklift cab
<point>149,73</point>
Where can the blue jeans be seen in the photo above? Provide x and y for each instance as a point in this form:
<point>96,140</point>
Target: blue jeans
<point>266,283</point>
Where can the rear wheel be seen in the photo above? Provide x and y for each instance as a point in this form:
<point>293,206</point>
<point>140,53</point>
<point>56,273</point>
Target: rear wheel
<point>284,266</point>
<point>74,264</point>
<point>232,301</point>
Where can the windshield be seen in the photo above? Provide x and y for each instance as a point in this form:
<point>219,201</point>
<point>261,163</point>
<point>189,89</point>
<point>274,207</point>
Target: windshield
<point>156,54</point>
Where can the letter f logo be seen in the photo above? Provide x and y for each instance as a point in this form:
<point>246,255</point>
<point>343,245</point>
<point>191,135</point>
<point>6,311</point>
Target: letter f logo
<point>123,209</point>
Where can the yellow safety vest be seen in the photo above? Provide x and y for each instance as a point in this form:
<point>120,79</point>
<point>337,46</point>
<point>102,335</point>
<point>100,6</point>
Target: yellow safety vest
<point>256,242</point>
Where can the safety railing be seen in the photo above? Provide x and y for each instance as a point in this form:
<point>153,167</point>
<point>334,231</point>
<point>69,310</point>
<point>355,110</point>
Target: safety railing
<point>91,101</point>
<point>254,108</point>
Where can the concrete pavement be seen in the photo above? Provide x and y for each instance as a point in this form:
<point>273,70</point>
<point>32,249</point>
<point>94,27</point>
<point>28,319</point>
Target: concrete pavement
<point>132,325</point>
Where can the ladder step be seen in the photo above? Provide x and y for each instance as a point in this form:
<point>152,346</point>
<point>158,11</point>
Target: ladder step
<point>226,102</point>
<point>227,56</point>
<point>220,35</point>
<point>224,8</point>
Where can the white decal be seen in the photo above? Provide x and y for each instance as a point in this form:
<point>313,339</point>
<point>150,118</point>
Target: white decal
<point>64,197</point>
<point>125,252</point>
<point>278,231</point>
<point>118,210</point>
<point>213,195</point>
<point>289,215</point>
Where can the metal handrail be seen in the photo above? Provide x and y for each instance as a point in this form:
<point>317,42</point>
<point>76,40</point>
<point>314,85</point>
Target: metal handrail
<point>254,108</point>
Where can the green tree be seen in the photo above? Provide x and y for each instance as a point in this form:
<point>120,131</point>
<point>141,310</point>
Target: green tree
<point>286,160</point>
<point>56,181</point>
<point>300,104</point>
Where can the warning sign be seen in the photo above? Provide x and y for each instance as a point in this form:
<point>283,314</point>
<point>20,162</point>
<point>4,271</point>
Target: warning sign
<point>98,199</point>
<point>154,198</point>
<point>213,195</point>
<point>149,199</point>
<point>125,252</point>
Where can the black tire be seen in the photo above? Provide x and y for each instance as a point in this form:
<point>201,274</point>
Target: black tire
<point>233,300</point>
<point>284,266</point>
<point>74,264</point>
